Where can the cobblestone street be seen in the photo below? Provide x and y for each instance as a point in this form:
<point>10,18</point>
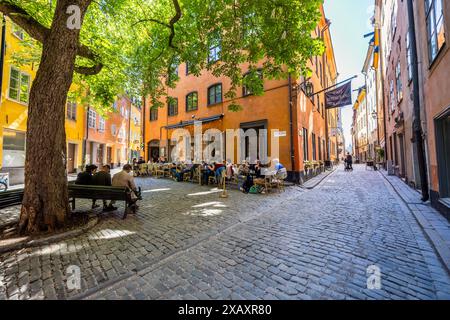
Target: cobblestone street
<point>187,243</point>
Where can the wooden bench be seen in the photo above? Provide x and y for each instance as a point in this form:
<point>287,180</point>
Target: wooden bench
<point>101,193</point>
<point>11,198</point>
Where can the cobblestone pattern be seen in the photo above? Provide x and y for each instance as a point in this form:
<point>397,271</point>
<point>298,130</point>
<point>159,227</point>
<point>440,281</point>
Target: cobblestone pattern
<point>172,216</point>
<point>316,246</point>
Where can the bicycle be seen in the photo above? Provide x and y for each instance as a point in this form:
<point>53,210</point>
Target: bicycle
<point>3,183</point>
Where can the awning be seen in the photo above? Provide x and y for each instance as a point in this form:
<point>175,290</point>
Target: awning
<point>183,124</point>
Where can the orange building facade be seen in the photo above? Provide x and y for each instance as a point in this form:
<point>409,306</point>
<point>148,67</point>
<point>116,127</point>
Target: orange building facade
<point>299,119</point>
<point>108,138</point>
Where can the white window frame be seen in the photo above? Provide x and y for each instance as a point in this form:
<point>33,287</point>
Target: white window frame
<point>92,119</point>
<point>17,31</point>
<point>101,124</point>
<point>19,88</point>
<point>71,112</point>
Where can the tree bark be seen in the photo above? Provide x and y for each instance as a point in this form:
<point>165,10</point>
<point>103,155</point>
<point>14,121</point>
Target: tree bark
<point>45,204</point>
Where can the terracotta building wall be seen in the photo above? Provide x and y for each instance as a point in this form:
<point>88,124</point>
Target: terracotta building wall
<point>436,86</point>
<point>399,111</point>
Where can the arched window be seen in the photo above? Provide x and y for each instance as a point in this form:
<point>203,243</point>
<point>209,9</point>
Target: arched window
<point>192,101</point>
<point>215,94</point>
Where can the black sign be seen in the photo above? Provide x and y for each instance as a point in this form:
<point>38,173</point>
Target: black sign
<point>339,97</point>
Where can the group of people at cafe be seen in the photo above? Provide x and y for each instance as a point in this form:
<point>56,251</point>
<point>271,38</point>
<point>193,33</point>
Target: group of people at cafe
<point>247,174</point>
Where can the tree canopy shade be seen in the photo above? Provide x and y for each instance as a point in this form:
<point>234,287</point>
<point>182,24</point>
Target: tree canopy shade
<point>110,47</point>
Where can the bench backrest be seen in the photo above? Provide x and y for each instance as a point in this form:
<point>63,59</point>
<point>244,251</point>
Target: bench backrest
<point>11,198</point>
<point>98,192</point>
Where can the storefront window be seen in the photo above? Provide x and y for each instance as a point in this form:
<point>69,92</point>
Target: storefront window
<point>13,149</point>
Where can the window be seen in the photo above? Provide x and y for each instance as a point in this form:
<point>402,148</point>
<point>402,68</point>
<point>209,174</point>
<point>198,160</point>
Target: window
<point>173,72</point>
<point>409,55</point>
<point>313,142</point>
<point>214,53</point>
<point>153,114</point>
<point>13,148</point>
<point>319,144</point>
<point>246,91</point>
<point>19,86</point>
<point>92,118</point>
<point>172,106</point>
<point>188,71</point>
<point>435,27</point>
<point>391,95</point>
<point>71,111</point>
<point>215,94</point>
<point>101,124</point>
<point>113,130</point>
<point>305,145</point>
<point>115,105</point>
<point>17,31</point>
<point>192,101</point>
<point>398,77</point>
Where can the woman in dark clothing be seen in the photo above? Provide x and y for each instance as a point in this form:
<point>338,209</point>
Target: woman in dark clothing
<point>85,177</point>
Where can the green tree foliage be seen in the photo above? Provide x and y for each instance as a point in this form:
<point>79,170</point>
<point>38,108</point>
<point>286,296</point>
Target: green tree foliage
<point>138,43</point>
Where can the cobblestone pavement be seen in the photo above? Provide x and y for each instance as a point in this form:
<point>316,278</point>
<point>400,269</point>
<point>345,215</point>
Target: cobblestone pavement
<point>187,243</point>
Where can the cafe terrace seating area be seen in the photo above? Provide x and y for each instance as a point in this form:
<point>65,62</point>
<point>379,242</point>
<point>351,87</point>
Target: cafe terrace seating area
<point>267,180</point>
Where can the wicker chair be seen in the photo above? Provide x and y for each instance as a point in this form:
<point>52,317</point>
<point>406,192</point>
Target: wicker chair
<point>278,180</point>
<point>143,169</point>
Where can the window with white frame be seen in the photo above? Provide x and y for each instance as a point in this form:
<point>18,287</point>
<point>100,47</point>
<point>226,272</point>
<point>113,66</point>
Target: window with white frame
<point>398,78</point>
<point>71,111</point>
<point>101,124</point>
<point>435,27</point>
<point>391,95</point>
<point>214,53</point>
<point>113,130</point>
<point>17,31</point>
<point>19,86</point>
<point>409,55</point>
<point>92,119</point>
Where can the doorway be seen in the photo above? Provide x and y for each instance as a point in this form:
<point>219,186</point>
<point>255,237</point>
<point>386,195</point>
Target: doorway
<point>153,150</point>
<point>109,156</point>
<point>71,149</point>
<point>401,140</point>
<point>443,153</point>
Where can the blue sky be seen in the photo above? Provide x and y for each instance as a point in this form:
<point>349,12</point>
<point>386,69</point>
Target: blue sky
<point>350,21</point>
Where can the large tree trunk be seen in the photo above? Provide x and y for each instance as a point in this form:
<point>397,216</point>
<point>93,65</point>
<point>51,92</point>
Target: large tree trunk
<point>45,204</point>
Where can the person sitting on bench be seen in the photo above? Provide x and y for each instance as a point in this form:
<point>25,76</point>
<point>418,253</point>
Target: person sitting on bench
<point>85,178</point>
<point>124,179</point>
<point>103,178</point>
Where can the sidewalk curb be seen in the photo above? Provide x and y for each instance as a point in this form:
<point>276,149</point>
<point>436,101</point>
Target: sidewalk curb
<point>320,181</point>
<point>434,238</point>
<point>26,243</point>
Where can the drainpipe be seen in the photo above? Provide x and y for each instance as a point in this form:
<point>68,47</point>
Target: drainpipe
<point>87,137</point>
<point>291,125</point>
<point>129,132</point>
<point>2,56</point>
<point>417,123</point>
<point>143,129</point>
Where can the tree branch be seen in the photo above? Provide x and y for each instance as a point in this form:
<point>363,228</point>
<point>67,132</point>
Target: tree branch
<point>39,32</point>
<point>20,17</point>
<point>172,22</point>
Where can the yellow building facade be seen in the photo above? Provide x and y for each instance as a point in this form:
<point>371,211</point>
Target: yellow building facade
<point>15,88</point>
